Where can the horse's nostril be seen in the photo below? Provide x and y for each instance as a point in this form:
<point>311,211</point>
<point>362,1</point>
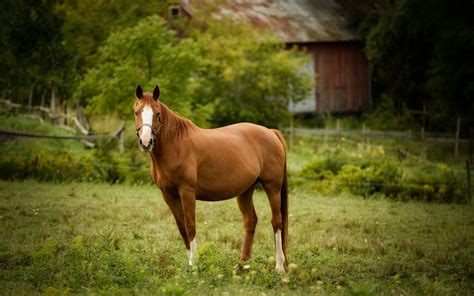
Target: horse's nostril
<point>141,142</point>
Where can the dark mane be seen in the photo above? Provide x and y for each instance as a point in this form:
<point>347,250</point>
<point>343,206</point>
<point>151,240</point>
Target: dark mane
<point>174,126</point>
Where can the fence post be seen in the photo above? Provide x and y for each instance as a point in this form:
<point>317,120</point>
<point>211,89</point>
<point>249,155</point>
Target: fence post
<point>338,128</point>
<point>30,98</point>
<point>422,133</point>
<point>121,141</point>
<point>364,136</point>
<point>325,135</point>
<point>470,143</point>
<point>52,106</point>
<point>66,111</point>
<point>456,143</point>
<point>368,137</point>
<point>292,133</point>
<point>469,189</point>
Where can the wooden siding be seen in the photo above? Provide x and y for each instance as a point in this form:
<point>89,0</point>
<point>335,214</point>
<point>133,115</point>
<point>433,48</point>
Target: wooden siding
<point>342,77</point>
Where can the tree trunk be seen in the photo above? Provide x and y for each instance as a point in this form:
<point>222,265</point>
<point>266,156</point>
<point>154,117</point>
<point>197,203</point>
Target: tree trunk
<point>52,105</point>
<point>65,114</point>
<point>42,99</point>
<point>30,98</point>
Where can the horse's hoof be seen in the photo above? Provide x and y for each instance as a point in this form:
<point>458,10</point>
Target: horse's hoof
<point>280,269</point>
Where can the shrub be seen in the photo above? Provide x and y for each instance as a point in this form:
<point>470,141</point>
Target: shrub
<point>369,174</point>
<point>44,162</point>
<point>324,168</point>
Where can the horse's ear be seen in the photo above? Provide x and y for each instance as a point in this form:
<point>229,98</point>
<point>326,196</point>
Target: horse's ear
<point>156,93</point>
<point>139,92</point>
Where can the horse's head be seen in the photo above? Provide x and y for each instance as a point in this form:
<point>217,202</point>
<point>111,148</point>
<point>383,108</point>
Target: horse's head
<point>147,117</point>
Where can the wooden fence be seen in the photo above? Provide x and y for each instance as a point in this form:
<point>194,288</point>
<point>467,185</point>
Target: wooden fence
<point>41,113</point>
<point>366,134</point>
<point>90,140</point>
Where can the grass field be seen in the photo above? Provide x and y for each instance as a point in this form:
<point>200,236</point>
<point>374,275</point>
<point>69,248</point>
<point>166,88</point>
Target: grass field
<point>119,239</point>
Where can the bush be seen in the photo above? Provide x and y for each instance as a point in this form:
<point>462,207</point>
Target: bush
<point>42,161</point>
<point>372,174</point>
<point>386,117</point>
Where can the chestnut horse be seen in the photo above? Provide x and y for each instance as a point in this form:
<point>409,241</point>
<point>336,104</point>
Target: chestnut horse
<point>189,163</point>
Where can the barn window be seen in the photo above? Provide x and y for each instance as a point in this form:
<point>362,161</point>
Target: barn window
<point>174,11</point>
<point>308,104</point>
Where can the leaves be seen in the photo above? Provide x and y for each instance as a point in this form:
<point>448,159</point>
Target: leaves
<point>248,74</point>
<point>145,54</point>
<point>245,76</point>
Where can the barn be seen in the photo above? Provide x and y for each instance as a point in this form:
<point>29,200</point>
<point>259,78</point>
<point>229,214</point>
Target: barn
<point>319,28</point>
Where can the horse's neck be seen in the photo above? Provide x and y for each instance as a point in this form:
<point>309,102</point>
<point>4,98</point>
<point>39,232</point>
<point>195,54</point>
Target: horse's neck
<point>173,130</point>
<point>174,127</point>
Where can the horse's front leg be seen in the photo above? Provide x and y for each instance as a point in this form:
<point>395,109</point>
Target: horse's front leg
<point>188,201</point>
<point>174,203</point>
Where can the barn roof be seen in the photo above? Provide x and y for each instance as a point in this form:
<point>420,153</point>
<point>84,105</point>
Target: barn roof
<point>294,20</point>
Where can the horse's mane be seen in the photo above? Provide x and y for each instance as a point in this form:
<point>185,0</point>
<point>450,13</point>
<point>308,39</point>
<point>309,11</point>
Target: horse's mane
<point>174,126</point>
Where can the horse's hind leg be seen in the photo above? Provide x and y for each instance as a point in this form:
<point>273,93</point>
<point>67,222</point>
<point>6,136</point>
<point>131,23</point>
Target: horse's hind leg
<point>273,192</point>
<point>247,209</point>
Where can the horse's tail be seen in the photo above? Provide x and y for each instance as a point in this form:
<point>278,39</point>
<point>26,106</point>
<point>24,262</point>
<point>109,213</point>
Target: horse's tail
<point>284,198</point>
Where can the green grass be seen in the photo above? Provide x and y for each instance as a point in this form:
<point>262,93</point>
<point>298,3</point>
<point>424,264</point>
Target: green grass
<point>119,239</point>
<point>28,125</point>
<point>22,124</point>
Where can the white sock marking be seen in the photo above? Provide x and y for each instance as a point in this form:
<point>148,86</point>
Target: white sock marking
<point>280,257</point>
<point>192,251</point>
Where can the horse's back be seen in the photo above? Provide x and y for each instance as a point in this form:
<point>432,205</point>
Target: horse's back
<point>252,139</point>
<point>230,159</point>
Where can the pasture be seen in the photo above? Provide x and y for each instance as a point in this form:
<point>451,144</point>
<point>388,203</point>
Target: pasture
<point>60,238</point>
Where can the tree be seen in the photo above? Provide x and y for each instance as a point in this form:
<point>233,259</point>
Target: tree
<point>421,52</point>
<point>210,76</point>
<point>145,54</point>
<point>246,74</point>
<point>32,50</point>
<point>89,23</point>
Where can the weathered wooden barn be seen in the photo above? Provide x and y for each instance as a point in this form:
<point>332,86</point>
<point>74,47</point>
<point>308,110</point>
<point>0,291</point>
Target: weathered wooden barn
<point>318,27</point>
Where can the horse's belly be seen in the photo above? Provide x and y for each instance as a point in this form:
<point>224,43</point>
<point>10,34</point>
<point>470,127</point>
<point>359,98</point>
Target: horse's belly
<point>224,186</point>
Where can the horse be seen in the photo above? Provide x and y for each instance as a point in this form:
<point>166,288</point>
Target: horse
<point>189,163</point>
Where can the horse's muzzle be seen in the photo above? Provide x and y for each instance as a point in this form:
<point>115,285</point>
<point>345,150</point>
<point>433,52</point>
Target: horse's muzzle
<point>148,147</point>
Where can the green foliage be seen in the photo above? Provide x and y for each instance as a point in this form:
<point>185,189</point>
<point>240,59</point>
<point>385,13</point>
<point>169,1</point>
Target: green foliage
<point>89,23</point>
<point>99,263</point>
<point>369,172</point>
<point>211,76</point>
<point>386,117</point>
<point>147,54</point>
<point>366,288</point>
<point>420,55</point>
<point>67,160</point>
<point>29,125</point>
<point>247,74</point>
<point>32,54</point>
<point>41,161</point>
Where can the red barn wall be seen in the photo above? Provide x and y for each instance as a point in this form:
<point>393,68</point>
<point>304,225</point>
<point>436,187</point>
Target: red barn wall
<point>342,77</point>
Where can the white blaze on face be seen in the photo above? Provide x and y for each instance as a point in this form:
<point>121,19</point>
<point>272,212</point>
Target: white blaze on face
<point>147,118</point>
<point>192,251</point>
<point>280,257</point>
